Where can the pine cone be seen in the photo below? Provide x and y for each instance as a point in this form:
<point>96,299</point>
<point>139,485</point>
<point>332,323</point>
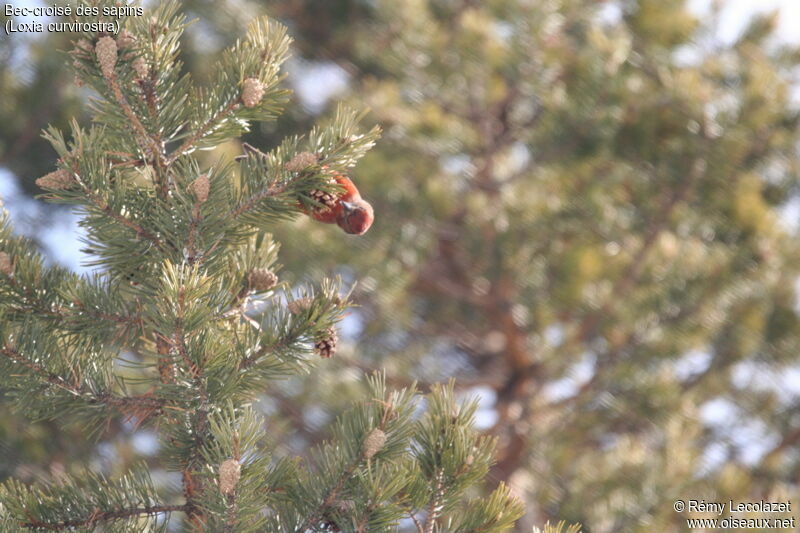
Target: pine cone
<point>58,180</point>
<point>5,264</point>
<point>374,443</point>
<point>327,199</point>
<point>167,372</point>
<point>326,346</point>
<point>200,187</point>
<point>301,161</point>
<point>229,472</point>
<point>298,306</point>
<point>141,68</point>
<point>261,279</point>
<point>106,50</point>
<point>252,92</point>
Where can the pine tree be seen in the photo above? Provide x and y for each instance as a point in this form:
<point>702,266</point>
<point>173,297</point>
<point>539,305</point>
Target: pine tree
<point>587,220</point>
<point>188,293</point>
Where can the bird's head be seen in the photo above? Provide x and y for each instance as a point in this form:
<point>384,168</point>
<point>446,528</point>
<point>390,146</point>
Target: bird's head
<point>356,217</point>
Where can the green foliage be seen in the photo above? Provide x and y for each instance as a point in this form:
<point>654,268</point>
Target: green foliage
<point>587,211</point>
<point>581,212</point>
<point>172,332</point>
<point>75,503</point>
<point>358,486</point>
<point>561,527</point>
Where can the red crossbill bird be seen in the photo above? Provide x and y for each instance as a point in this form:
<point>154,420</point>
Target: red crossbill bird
<point>346,209</point>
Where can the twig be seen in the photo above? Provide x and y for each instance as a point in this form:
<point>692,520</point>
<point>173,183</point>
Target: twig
<point>113,83</point>
<point>315,516</point>
<point>230,513</point>
<point>192,486</point>
<point>416,522</point>
<point>144,137</point>
<point>64,313</point>
<point>202,131</point>
<point>436,504</point>
<point>251,202</point>
<point>96,517</point>
<point>120,402</point>
<point>101,204</point>
<point>194,226</point>
<point>250,360</point>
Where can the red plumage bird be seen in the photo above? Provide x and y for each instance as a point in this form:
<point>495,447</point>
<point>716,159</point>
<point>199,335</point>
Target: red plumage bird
<point>347,209</point>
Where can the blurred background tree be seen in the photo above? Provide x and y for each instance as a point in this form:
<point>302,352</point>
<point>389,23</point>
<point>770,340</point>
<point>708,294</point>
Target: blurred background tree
<point>587,213</point>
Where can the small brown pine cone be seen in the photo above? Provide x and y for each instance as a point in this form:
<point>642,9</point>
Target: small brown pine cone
<point>125,39</point>
<point>59,179</point>
<point>200,187</point>
<point>5,264</point>
<point>252,92</point>
<point>229,473</point>
<point>261,279</point>
<point>167,372</point>
<point>106,50</point>
<point>141,68</point>
<point>374,443</point>
<point>326,346</point>
<point>298,306</point>
<point>327,199</point>
<point>301,161</point>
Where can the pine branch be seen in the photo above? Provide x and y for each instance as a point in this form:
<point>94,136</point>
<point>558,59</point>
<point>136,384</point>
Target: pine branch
<point>252,202</point>
<point>316,515</point>
<point>123,403</point>
<point>106,209</point>
<point>261,352</point>
<point>194,228</point>
<point>64,313</point>
<point>416,521</point>
<point>192,486</point>
<point>106,516</point>
<point>436,503</point>
<point>143,137</point>
<point>230,513</point>
<point>40,371</point>
<point>202,131</point>
<point>149,85</point>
